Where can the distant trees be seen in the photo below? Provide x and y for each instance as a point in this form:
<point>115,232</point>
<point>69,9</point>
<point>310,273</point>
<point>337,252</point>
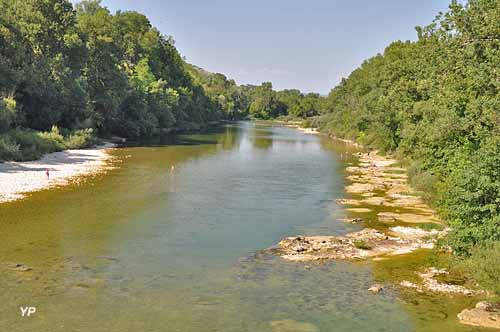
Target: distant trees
<point>269,104</point>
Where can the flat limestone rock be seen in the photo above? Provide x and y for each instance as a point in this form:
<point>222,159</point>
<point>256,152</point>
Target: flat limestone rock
<point>348,202</point>
<point>429,283</point>
<point>360,188</point>
<point>410,218</point>
<point>359,210</point>
<point>483,315</point>
<point>358,245</point>
<point>374,200</point>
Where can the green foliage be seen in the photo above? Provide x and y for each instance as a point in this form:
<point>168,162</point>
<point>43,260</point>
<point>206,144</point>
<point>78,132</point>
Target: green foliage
<point>435,102</point>
<point>483,266</point>
<point>54,137</point>
<point>361,244</point>
<point>470,195</point>
<point>8,149</point>
<point>7,113</point>
<point>26,144</point>
<point>84,67</point>
<point>83,138</point>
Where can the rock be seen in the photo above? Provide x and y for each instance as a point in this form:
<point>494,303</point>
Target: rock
<point>313,248</point>
<point>22,267</point>
<point>374,201</point>
<point>352,220</point>
<point>417,234</point>
<point>431,284</point>
<point>377,288</point>
<point>359,210</point>
<point>410,218</point>
<point>348,202</point>
<point>485,315</point>
<point>483,305</point>
<point>360,188</point>
<point>409,284</point>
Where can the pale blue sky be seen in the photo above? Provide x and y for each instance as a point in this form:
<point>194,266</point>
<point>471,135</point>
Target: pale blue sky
<point>309,45</point>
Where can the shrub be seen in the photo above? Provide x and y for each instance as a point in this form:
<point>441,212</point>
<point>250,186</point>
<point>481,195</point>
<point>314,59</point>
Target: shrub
<point>8,149</point>
<point>361,244</point>
<point>80,139</point>
<point>25,144</point>
<point>7,113</point>
<point>483,266</point>
<point>54,138</point>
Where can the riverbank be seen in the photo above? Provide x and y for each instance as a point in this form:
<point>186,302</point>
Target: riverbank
<point>379,195</point>
<point>396,221</point>
<point>20,178</point>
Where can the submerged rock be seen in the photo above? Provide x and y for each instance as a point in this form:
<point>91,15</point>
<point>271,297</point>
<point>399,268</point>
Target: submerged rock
<point>429,283</point>
<point>377,288</point>
<point>483,315</point>
<point>435,286</point>
<point>290,325</point>
<point>22,268</point>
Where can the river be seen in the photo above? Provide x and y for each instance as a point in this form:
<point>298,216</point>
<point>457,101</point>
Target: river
<point>171,239</point>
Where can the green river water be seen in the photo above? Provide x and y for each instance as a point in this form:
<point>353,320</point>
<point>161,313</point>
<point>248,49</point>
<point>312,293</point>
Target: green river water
<point>147,247</point>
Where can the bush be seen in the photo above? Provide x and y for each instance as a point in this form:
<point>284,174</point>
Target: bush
<point>7,113</point>
<point>81,139</point>
<point>8,149</point>
<point>360,244</point>
<point>25,144</point>
<point>483,266</point>
<point>470,196</point>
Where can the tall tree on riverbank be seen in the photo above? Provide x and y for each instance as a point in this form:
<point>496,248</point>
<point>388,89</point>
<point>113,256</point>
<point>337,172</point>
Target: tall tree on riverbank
<point>85,67</point>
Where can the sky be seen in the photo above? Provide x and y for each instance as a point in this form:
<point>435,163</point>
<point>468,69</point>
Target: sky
<point>308,45</point>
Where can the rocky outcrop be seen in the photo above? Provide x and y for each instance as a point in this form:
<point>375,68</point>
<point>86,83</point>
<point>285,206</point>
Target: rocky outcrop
<point>429,283</point>
<point>363,244</point>
<point>381,184</point>
<point>485,315</point>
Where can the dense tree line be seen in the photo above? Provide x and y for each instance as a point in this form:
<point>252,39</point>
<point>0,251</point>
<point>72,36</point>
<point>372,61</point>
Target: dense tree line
<point>81,67</point>
<point>436,103</point>
<point>266,103</point>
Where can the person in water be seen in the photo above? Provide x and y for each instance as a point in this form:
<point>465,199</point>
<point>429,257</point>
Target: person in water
<point>47,173</point>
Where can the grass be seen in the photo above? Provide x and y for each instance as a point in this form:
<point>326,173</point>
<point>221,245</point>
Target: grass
<point>361,244</point>
<point>483,266</point>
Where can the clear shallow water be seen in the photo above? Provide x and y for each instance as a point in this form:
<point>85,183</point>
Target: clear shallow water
<point>151,248</point>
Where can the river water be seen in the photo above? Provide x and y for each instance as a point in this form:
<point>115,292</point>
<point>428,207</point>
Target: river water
<point>171,239</point>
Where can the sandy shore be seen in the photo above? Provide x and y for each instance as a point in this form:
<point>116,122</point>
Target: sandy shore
<point>20,178</point>
<point>309,131</point>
